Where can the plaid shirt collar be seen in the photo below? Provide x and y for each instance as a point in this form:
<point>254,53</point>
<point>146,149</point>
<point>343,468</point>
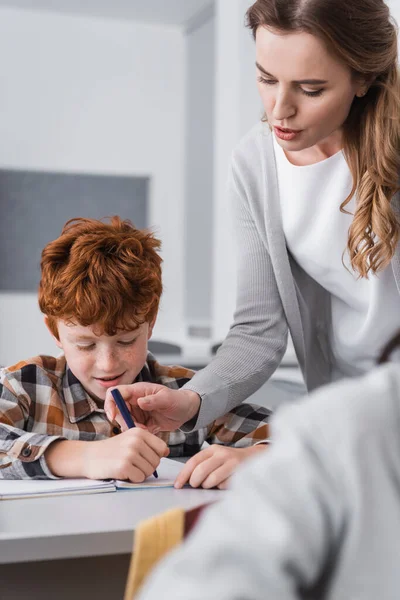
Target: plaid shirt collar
<point>79,403</point>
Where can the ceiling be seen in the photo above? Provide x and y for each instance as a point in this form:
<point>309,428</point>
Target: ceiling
<point>166,12</point>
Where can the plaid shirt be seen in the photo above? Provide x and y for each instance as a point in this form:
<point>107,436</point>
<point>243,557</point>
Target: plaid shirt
<point>42,401</point>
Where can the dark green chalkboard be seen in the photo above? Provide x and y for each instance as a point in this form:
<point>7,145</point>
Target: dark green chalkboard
<point>35,205</point>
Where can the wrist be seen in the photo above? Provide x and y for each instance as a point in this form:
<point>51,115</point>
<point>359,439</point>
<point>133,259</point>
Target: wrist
<point>193,405</point>
<point>253,450</point>
<point>67,458</point>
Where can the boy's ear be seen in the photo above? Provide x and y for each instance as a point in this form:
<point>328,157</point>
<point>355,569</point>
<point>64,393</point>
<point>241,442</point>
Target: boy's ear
<point>46,322</point>
<point>151,326</point>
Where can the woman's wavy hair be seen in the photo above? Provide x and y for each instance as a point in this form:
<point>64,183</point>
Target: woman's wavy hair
<point>363,36</point>
<point>103,274</point>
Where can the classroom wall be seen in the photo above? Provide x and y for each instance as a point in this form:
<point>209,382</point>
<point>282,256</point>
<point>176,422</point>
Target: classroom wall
<point>394,6</point>
<point>237,109</point>
<point>199,172</point>
<point>97,96</point>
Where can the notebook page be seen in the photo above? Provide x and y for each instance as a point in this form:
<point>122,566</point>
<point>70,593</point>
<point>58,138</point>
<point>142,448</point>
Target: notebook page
<point>33,488</point>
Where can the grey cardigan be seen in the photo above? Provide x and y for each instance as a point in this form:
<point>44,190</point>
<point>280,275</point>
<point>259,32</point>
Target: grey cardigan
<point>317,516</point>
<point>274,293</point>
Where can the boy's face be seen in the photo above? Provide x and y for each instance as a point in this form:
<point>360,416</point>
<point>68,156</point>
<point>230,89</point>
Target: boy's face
<point>103,361</point>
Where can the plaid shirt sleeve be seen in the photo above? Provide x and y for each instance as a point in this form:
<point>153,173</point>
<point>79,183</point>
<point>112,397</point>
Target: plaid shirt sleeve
<point>21,451</point>
<point>246,425</point>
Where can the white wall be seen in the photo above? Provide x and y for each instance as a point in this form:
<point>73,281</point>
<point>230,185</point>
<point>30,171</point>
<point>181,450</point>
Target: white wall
<point>238,108</point>
<point>394,6</point>
<point>97,96</point>
<point>199,152</point>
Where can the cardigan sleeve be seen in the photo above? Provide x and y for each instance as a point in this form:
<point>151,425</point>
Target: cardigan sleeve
<point>257,339</point>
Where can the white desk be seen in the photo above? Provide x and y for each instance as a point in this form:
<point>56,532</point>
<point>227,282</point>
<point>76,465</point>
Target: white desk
<point>84,525</point>
<point>78,539</point>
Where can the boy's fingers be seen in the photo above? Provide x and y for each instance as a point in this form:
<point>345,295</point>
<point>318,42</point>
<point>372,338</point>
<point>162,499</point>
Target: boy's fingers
<point>190,466</point>
<point>218,477</point>
<point>155,443</point>
<point>224,485</point>
<point>135,475</point>
<point>149,455</point>
<point>145,466</point>
<point>204,470</point>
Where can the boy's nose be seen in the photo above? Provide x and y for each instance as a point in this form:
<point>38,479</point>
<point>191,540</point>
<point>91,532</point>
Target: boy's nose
<point>107,362</point>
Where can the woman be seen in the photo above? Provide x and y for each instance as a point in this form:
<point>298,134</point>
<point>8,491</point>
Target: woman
<point>313,189</point>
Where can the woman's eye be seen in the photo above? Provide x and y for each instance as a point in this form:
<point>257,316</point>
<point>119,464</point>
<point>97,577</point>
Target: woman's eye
<point>267,81</point>
<point>312,94</point>
<point>127,343</point>
<point>89,347</point>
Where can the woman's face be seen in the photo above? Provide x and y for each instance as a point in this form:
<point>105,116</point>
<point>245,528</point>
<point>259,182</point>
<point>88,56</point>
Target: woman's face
<point>303,87</point>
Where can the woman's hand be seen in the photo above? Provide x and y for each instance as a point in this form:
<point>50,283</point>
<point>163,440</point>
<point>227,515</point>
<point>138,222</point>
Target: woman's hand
<point>213,466</point>
<point>154,407</point>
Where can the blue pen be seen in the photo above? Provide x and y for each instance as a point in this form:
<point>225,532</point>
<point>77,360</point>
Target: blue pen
<point>126,415</point>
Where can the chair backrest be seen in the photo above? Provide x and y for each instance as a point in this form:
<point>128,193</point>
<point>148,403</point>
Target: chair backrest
<point>155,537</point>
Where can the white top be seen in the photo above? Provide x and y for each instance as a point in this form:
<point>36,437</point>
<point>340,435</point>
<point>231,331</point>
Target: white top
<point>365,312</point>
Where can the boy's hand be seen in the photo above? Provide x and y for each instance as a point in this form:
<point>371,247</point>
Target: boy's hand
<point>154,406</point>
<point>213,466</point>
<point>132,455</point>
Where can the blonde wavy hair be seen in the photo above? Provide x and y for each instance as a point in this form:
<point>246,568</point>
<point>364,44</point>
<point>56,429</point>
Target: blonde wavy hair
<point>364,36</point>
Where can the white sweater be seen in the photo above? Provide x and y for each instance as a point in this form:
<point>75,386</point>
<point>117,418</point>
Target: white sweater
<point>365,312</point>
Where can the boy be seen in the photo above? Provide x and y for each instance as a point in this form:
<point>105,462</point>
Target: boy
<point>99,291</point>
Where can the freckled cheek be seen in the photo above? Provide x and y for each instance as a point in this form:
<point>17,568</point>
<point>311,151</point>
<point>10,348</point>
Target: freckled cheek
<point>134,358</point>
<point>81,366</point>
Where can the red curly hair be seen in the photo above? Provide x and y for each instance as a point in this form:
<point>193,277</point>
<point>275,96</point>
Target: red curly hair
<point>103,274</point>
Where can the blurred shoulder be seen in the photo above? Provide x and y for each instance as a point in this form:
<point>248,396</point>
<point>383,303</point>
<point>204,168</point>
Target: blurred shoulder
<point>348,410</point>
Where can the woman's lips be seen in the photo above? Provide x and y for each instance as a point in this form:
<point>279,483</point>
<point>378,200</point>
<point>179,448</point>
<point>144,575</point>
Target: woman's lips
<point>286,134</point>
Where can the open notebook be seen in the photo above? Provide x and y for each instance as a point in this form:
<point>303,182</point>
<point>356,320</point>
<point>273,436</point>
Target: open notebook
<point>13,489</point>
